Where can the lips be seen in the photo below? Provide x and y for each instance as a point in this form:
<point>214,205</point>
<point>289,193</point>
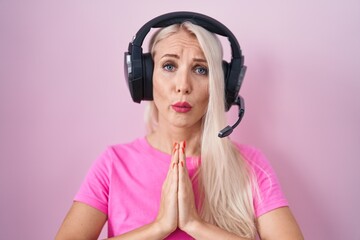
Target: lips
<point>181,107</point>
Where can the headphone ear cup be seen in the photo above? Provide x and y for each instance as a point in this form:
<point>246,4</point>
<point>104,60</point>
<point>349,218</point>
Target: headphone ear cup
<point>133,72</point>
<point>225,66</point>
<point>236,73</point>
<point>226,69</point>
<point>148,67</point>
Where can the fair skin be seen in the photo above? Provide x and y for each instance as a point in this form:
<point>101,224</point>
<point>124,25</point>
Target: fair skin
<point>180,75</point>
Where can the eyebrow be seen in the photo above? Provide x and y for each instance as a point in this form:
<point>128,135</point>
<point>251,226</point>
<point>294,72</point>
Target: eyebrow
<point>200,60</point>
<point>177,57</point>
<point>171,55</point>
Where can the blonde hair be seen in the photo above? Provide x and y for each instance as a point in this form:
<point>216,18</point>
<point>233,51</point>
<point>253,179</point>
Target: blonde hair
<point>225,180</point>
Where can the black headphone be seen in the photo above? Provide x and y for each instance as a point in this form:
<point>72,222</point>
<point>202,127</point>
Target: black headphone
<point>138,66</point>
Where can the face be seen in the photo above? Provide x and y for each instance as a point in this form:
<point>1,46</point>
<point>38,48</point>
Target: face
<point>180,81</point>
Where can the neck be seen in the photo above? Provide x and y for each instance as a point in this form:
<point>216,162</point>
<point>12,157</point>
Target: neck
<point>163,139</point>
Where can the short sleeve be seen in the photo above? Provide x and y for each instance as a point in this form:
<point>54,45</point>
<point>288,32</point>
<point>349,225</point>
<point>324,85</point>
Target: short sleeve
<point>94,191</point>
<point>269,195</point>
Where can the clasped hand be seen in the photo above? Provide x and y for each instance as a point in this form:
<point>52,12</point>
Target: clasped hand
<point>177,206</point>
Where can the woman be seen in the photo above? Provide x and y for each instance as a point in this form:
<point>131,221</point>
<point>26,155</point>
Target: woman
<point>151,188</point>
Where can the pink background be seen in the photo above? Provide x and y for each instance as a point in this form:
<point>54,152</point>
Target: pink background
<point>63,99</point>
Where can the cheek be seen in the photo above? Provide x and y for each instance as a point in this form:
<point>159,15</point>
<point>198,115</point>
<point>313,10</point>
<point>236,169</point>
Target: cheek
<point>158,82</point>
<point>204,93</point>
<point>158,89</point>
<point>203,98</point>
<point>159,93</point>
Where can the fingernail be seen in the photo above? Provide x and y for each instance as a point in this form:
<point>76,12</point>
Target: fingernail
<point>183,150</point>
<point>182,164</point>
<point>184,144</point>
<point>174,144</point>
<point>175,147</point>
<point>173,166</point>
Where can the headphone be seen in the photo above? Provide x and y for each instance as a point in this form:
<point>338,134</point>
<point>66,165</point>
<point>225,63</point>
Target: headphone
<point>139,66</point>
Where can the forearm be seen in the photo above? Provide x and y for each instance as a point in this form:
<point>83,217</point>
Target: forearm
<point>151,231</point>
<point>201,230</point>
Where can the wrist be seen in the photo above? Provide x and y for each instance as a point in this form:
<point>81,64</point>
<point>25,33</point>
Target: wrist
<point>192,226</point>
<point>161,230</point>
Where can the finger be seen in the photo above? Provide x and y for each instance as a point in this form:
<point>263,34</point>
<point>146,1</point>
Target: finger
<point>182,155</point>
<point>183,173</point>
<point>174,160</point>
<point>182,176</point>
<point>175,155</point>
<point>175,178</point>
<point>184,186</point>
<point>171,180</point>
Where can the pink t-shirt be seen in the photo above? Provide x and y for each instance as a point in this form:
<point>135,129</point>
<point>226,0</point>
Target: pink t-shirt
<point>126,180</point>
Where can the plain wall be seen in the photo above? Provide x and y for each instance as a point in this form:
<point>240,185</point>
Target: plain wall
<point>63,99</point>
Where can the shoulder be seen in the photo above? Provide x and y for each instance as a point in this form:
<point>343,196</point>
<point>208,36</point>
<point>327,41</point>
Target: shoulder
<point>132,144</point>
<point>137,151</point>
<point>254,157</point>
<point>117,152</point>
<point>121,150</point>
<point>258,163</point>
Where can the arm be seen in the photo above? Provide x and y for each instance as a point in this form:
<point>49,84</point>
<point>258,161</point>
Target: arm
<point>85,222</point>
<point>279,224</point>
<point>202,230</point>
<point>151,231</point>
<point>82,222</point>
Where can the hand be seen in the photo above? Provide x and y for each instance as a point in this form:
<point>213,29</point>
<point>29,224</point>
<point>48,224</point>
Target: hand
<point>186,201</point>
<point>177,206</point>
<point>168,212</point>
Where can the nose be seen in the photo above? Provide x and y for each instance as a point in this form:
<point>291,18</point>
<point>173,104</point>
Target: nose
<point>183,83</point>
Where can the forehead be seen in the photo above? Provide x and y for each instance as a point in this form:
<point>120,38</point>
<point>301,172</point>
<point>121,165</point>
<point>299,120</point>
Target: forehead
<point>179,41</point>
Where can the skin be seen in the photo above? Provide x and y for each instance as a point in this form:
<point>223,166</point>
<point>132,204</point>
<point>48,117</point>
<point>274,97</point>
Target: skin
<point>180,74</point>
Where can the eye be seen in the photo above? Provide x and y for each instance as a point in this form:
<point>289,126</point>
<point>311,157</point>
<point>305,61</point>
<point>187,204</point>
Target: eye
<point>201,70</point>
<point>169,67</point>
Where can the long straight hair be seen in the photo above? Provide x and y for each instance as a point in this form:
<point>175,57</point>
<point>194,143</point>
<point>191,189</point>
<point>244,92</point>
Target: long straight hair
<point>226,182</point>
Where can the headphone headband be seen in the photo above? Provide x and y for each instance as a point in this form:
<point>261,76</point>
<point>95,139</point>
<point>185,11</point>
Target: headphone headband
<point>202,20</point>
